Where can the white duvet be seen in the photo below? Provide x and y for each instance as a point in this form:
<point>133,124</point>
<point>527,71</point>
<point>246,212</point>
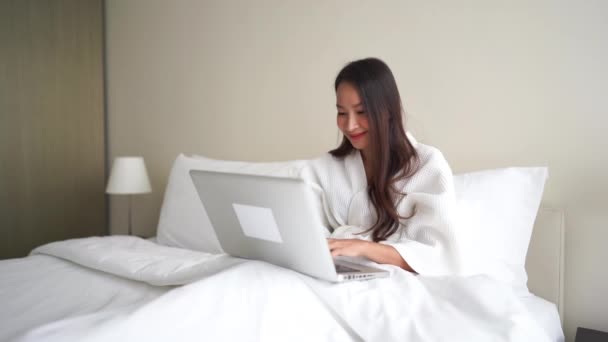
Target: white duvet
<point>228,299</point>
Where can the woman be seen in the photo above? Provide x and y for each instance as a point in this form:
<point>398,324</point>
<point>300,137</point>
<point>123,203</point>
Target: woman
<point>389,198</point>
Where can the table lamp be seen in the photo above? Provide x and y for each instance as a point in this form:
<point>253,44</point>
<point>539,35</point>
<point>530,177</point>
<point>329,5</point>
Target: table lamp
<point>128,177</point>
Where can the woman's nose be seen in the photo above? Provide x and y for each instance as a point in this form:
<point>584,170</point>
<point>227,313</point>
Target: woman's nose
<point>352,123</point>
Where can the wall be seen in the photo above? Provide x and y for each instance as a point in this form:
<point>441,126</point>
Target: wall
<point>492,85</point>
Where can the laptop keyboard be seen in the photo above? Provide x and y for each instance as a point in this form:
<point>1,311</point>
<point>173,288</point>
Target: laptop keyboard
<point>345,269</point>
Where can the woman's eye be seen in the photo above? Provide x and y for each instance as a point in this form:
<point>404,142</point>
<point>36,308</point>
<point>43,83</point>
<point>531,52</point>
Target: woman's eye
<point>361,112</point>
<point>341,113</point>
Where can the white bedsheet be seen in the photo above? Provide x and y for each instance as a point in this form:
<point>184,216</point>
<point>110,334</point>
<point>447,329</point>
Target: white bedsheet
<point>545,313</point>
<point>228,299</point>
<point>41,289</point>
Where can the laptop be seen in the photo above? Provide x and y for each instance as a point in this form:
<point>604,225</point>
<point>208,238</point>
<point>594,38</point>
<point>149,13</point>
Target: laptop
<point>273,219</point>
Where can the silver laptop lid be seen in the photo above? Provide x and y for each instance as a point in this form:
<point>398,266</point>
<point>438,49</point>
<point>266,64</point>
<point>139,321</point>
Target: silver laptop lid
<point>266,218</point>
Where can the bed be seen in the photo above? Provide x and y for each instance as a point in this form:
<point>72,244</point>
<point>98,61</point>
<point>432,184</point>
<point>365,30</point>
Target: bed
<point>128,288</point>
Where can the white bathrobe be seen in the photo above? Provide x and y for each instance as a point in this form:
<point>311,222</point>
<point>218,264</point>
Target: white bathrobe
<point>426,241</point>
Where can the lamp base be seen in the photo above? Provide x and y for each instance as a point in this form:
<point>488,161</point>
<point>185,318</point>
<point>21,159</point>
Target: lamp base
<point>130,231</point>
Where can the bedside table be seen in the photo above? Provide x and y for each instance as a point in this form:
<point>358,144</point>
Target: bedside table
<point>590,335</point>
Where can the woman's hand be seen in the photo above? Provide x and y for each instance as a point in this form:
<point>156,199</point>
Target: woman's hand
<point>380,253</point>
<point>348,247</point>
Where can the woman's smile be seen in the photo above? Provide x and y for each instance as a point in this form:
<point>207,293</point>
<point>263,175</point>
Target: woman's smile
<point>357,136</point>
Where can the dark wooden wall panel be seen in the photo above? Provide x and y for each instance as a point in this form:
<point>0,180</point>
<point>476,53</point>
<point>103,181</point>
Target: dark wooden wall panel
<point>52,157</point>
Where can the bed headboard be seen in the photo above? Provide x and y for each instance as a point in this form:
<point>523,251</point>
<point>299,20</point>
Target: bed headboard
<point>545,259</point>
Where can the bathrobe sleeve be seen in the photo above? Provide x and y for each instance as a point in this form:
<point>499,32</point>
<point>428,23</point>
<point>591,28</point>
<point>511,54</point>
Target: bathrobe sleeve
<point>427,241</point>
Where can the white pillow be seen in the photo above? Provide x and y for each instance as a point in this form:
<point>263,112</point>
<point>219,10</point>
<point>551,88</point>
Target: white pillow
<point>183,221</point>
<point>497,210</point>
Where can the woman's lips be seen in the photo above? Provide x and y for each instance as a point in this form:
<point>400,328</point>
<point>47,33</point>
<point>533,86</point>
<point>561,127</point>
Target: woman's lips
<point>357,136</point>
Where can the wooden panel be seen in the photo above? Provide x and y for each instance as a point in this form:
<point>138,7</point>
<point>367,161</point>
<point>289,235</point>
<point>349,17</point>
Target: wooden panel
<point>52,170</point>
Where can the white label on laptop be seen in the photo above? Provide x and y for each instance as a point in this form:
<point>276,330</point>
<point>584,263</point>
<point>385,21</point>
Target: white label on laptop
<point>257,222</point>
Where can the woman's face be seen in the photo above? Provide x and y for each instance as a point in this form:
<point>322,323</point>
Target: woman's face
<point>352,117</point>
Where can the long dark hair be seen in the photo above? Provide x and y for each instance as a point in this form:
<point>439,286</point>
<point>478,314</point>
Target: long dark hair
<point>392,156</point>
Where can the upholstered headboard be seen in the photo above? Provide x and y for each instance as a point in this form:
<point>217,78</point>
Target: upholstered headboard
<point>545,259</point>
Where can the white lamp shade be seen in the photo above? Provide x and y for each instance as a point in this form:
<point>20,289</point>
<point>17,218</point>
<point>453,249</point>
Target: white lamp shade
<point>128,176</point>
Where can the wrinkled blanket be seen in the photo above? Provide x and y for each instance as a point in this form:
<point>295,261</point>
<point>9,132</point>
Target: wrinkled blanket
<point>230,299</point>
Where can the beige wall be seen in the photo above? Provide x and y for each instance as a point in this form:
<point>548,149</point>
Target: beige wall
<point>520,83</point>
